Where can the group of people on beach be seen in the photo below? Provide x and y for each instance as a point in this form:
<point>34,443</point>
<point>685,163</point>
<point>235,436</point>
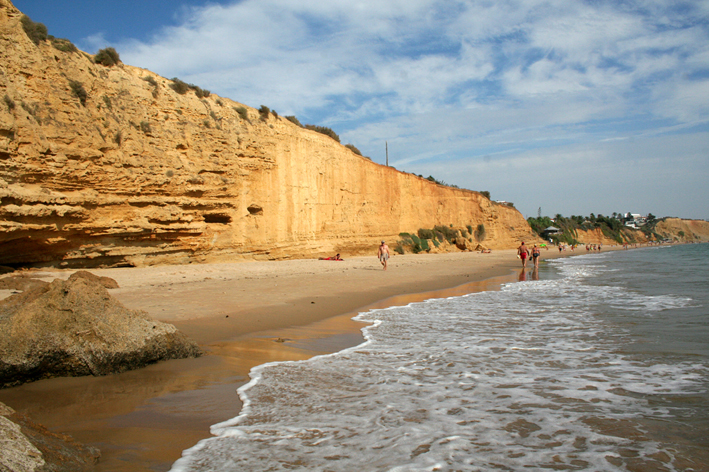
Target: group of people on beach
<point>524,253</point>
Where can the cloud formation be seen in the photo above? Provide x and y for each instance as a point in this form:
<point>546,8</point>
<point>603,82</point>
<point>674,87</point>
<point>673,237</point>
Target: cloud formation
<point>469,91</point>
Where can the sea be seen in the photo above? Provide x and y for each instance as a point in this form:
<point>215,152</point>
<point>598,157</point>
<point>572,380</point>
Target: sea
<point>598,362</point>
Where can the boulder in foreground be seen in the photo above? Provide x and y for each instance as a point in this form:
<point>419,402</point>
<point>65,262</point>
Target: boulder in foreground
<point>30,447</point>
<point>75,327</point>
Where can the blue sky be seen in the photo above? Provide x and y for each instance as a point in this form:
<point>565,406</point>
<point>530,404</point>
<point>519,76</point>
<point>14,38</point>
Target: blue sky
<point>574,107</point>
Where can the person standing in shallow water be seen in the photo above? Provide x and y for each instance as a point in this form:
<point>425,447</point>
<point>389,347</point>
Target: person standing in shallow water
<point>523,253</point>
<point>536,253</point>
<point>383,254</point>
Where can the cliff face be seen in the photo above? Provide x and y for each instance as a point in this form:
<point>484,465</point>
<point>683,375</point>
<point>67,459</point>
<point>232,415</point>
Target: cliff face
<point>684,230</point>
<point>110,166</point>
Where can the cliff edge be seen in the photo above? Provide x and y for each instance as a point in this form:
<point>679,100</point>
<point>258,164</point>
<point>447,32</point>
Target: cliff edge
<point>117,166</point>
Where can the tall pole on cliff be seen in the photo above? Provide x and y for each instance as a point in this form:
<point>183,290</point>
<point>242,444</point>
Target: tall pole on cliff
<point>386,146</point>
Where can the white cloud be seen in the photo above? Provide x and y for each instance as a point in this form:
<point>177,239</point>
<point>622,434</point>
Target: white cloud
<point>439,79</point>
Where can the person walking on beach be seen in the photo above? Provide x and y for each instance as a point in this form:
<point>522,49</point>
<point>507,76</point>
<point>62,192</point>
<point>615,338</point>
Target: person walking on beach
<point>383,254</point>
<point>523,253</point>
<point>536,252</point>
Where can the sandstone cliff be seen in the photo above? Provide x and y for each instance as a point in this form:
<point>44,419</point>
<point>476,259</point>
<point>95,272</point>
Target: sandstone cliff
<point>111,166</point>
<point>684,230</point>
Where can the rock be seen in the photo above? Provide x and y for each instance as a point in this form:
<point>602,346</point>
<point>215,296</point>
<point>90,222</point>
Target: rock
<point>75,327</point>
<point>30,447</point>
<point>107,282</point>
<point>462,242</point>
<point>21,283</point>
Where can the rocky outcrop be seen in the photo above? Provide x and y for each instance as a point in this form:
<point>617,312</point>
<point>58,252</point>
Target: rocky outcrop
<point>26,446</point>
<point>74,327</point>
<point>110,166</point>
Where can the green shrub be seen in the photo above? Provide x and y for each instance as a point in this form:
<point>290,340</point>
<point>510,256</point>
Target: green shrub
<point>201,93</point>
<point>145,127</point>
<point>219,102</point>
<point>242,112</point>
<point>294,120</point>
<point>352,148</point>
<point>480,232</point>
<point>324,130</point>
<point>77,89</point>
<point>118,138</point>
<point>264,111</point>
<point>448,233</point>
<point>273,112</point>
<point>107,57</point>
<point>179,86</point>
<point>151,80</point>
<point>9,102</point>
<point>425,233</point>
<point>485,194</point>
<point>398,248</point>
<point>107,102</point>
<point>63,45</point>
<point>420,245</point>
<point>37,32</point>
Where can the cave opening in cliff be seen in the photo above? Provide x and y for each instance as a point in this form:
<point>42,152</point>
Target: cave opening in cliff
<point>255,210</point>
<point>217,218</point>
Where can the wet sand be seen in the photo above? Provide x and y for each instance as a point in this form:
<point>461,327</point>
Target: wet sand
<point>243,314</point>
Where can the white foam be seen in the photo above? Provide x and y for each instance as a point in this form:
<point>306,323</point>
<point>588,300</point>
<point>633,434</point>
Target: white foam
<point>529,376</point>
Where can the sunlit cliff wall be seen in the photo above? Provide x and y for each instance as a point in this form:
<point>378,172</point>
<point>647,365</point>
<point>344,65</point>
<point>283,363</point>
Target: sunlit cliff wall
<point>139,174</point>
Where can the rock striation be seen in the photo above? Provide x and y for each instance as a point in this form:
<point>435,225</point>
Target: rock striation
<point>111,166</point>
<point>75,327</point>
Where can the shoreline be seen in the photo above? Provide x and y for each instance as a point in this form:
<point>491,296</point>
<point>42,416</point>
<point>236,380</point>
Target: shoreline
<point>142,420</point>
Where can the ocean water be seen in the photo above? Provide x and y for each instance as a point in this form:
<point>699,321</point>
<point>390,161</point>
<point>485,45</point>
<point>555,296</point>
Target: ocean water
<point>598,362</point>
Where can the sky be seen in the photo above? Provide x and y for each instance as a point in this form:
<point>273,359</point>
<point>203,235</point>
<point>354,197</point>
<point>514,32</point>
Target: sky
<point>559,106</point>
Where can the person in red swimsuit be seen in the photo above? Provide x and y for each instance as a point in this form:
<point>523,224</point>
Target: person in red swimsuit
<point>523,253</point>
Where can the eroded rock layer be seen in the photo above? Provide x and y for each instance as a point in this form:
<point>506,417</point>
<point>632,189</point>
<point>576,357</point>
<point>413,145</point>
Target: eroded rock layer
<point>111,166</point>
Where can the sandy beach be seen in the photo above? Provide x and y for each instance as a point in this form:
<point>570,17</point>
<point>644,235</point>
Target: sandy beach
<point>243,314</point>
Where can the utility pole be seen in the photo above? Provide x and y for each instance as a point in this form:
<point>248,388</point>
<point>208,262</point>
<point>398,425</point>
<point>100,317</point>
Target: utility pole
<point>386,145</point>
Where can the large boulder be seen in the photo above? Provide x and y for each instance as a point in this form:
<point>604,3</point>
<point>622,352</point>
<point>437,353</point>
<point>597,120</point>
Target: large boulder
<point>75,327</point>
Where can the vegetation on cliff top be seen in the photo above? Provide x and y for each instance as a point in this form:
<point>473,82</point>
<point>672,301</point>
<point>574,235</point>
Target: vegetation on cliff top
<point>107,57</point>
<point>612,227</point>
<point>183,87</point>
<point>37,32</point>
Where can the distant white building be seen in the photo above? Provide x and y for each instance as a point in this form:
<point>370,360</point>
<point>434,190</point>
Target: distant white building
<point>634,220</point>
